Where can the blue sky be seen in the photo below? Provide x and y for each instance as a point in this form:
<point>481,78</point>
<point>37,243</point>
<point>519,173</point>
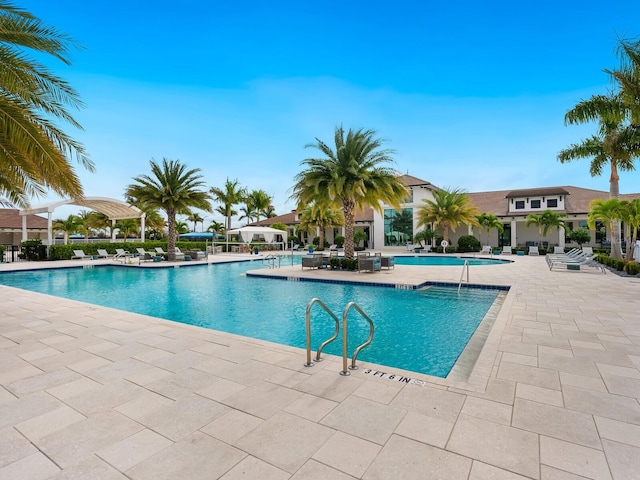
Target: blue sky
<point>469,94</point>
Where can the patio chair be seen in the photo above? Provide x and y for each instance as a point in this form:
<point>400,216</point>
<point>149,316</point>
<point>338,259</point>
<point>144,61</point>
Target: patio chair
<point>179,255</point>
<point>506,250</point>
<point>533,250</point>
<point>486,250</point>
<point>80,255</point>
<point>369,264</point>
<point>313,261</point>
<point>387,262</point>
<point>102,253</point>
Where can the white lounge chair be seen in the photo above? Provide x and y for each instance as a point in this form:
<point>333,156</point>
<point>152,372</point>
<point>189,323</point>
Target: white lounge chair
<point>577,264</point>
<point>533,250</point>
<point>506,250</point>
<point>102,253</point>
<point>80,255</point>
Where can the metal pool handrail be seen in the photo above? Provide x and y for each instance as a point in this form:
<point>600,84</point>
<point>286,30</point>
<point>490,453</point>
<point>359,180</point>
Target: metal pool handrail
<point>345,346</point>
<point>465,266</point>
<point>308,323</point>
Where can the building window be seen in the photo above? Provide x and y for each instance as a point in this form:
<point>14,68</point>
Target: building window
<point>520,205</point>
<point>535,203</point>
<point>398,226</point>
<point>409,198</point>
<point>552,203</point>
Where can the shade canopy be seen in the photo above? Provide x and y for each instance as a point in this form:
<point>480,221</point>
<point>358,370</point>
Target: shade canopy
<point>247,233</point>
<point>197,235</point>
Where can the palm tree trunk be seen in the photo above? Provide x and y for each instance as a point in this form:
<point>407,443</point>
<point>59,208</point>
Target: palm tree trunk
<point>171,238</point>
<point>614,192</point>
<point>348,208</point>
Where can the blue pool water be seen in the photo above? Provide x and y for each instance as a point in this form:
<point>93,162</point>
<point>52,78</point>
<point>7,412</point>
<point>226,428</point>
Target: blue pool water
<point>419,330</point>
<point>445,260</point>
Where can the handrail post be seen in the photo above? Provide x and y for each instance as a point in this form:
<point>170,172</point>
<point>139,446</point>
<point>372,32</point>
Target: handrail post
<point>345,346</point>
<point>308,327</point>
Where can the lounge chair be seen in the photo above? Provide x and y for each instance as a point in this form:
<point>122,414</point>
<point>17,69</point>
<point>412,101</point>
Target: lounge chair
<point>121,254</point>
<point>486,250</point>
<point>572,256</point>
<point>197,254</point>
<point>144,255</point>
<point>80,255</point>
<point>533,250</point>
<point>506,250</point>
<point>179,255</point>
<point>160,251</point>
<point>586,261</point>
<point>102,253</point>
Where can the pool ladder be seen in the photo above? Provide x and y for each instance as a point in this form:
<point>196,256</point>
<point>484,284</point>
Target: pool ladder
<point>345,343</point>
<point>271,260</point>
<point>464,267</point>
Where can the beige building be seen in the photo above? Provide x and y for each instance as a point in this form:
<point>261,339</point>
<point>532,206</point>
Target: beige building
<point>393,228</point>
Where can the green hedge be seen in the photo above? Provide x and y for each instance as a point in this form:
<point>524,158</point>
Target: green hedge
<point>65,252</point>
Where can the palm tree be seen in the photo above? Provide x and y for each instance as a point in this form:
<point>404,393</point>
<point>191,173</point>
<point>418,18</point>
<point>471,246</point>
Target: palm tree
<point>545,221</point>
<point>68,226</point>
<point>448,209</point>
<point>181,227</point>
<point>172,188</point>
<point>631,218</point>
<point>617,145</point>
<point>216,227</point>
<point>127,226</point>
<point>353,176</point>
<point>34,152</point>
<point>196,218</point>
<point>258,202</point>
<point>246,213</point>
<point>489,221</point>
<point>231,194</point>
<point>609,211</point>
<point>99,221</point>
<point>315,216</point>
<point>84,223</point>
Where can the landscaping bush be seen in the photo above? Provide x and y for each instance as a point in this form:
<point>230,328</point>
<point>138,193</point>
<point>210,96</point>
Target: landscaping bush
<point>468,243</point>
<point>632,268</point>
<point>339,240</point>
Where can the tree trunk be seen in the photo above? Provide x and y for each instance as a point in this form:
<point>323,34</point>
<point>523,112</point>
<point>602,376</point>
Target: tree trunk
<point>614,192</point>
<point>348,208</point>
<point>171,238</point>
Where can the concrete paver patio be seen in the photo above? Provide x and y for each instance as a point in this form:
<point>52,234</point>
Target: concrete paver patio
<point>552,393</point>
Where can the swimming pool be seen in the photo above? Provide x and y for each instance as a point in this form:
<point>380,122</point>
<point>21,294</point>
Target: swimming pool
<point>446,260</point>
<point>419,330</point>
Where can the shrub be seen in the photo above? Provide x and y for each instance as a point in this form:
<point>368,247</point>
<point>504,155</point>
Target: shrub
<point>339,240</point>
<point>468,243</point>
<point>632,268</point>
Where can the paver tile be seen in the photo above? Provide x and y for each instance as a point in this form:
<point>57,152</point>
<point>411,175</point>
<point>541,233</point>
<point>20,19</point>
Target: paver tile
<point>574,458</point>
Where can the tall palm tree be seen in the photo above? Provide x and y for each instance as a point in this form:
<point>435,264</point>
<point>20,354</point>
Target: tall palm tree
<point>258,202</point>
<point>315,216</point>
<point>489,221</point>
<point>99,221</point>
<point>171,188</point>
<point>448,209</point>
<point>68,226</point>
<point>229,195</point>
<point>617,145</point>
<point>34,152</point>
<point>352,176</point>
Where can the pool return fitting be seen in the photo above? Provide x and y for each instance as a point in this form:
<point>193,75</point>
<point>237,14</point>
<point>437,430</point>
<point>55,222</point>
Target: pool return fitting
<point>345,342</point>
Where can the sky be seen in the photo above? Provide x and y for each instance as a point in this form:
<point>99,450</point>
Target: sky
<point>468,94</point>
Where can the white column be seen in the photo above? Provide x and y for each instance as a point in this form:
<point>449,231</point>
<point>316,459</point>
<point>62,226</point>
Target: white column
<point>514,241</point>
<point>50,229</point>
<point>142,226</point>
<point>24,228</point>
<point>561,232</point>
<point>113,229</point>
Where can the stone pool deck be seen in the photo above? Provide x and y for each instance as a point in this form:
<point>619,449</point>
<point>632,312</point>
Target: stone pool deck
<point>88,392</point>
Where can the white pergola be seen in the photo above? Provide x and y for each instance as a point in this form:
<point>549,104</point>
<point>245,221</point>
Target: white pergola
<point>112,208</point>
